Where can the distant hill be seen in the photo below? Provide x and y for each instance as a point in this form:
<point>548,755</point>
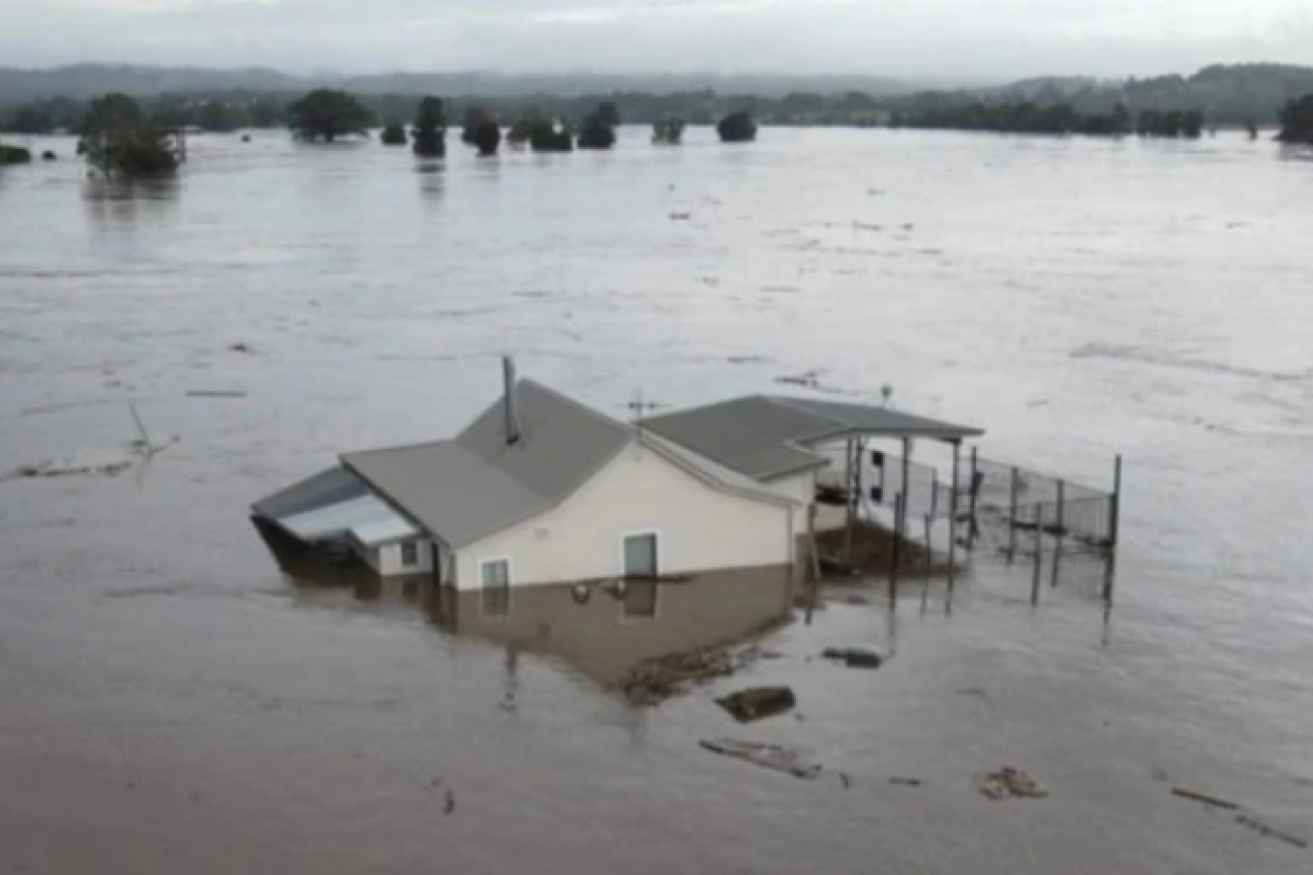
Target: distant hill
<point>87,80</point>
<point>1226,94</point>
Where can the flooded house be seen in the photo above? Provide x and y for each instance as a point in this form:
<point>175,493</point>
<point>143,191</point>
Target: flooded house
<point>540,489</point>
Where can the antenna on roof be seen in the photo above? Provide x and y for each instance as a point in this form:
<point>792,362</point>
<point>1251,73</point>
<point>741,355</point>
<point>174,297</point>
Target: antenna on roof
<point>640,408</point>
<point>886,392</point>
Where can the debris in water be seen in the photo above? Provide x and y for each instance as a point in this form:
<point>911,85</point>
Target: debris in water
<point>906,782</point>
<point>1264,830</point>
<point>450,804</point>
<point>768,756</point>
<point>1010,783</point>
<point>845,780</point>
<point>863,226</point>
<point>855,600</point>
<point>215,393</point>
<point>680,217</point>
<point>757,703</point>
<point>240,347</point>
<point>655,680</point>
<point>807,379</point>
<point>978,692</point>
<point>1205,799</point>
<point>855,657</point>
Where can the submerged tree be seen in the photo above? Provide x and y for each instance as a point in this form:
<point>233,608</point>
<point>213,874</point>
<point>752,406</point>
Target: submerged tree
<point>14,155</point>
<point>487,137</point>
<point>521,131</point>
<point>393,135</point>
<point>326,115</point>
<point>669,131</point>
<point>598,128</point>
<point>473,119</point>
<point>737,127</point>
<point>430,130</point>
<point>1297,121</point>
<point>119,140</point>
<point>545,136</point>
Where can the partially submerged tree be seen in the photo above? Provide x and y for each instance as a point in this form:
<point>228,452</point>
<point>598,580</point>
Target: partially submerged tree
<point>1297,121</point>
<point>737,127</point>
<point>326,115</point>
<point>473,119</point>
<point>430,130</point>
<point>487,137</point>
<point>521,131</point>
<point>119,140</point>
<point>598,128</point>
<point>13,155</point>
<point>669,131</point>
<point>545,136</point>
<point>393,135</point>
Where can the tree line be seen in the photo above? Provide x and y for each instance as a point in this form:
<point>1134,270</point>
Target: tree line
<point>1026,117</point>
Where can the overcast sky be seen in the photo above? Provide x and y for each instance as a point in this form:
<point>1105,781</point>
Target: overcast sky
<point>907,38</point>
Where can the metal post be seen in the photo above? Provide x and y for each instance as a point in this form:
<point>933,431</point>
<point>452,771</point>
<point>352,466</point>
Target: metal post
<point>1039,553</point>
<point>1115,512</point>
<point>814,590</point>
<point>934,491</point>
<point>852,500</point>
<point>971,531</point>
<point>1059,530</point>
<point>929,556</point>
<point>1012,515</point>
<point>903,487</point>
<point>899,507</point>
<point>952,516</point>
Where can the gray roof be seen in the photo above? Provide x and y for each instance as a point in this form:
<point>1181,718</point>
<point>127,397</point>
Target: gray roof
<point>767,436</point>
<point>330,486</point>
<point>562,442</point>
<point>447,489</point>
<point>471,487</point>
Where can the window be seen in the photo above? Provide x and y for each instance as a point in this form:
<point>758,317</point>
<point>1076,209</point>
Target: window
<point>641,556</point>
<point>495,576</point>
<point>409,554</point>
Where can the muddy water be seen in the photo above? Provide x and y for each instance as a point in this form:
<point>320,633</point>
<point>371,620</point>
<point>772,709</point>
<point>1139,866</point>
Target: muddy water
<point>171,699</point>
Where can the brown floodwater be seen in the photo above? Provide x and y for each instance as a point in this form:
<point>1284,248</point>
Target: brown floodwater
<point>174,696</point>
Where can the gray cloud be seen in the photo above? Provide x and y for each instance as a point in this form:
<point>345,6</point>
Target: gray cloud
<point>959,38</point>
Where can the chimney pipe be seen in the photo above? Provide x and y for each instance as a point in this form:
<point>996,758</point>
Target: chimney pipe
<point>508,401</point>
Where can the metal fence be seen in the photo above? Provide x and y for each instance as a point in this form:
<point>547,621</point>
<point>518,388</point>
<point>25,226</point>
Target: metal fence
<point>1059,530</point>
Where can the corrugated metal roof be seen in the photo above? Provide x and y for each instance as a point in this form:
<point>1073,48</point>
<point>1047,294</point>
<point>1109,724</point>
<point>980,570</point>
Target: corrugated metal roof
<point>448,489</point>
<point>562,442</point>
<point>335,520</point>
<point>879,421</point>
<point>766,436</point>
<point>336,484</point>
<point>714,473</point>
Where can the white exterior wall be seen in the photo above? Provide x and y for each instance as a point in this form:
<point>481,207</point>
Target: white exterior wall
<point>698,527</point>
<point>386,560</point>
<point>800,488</point>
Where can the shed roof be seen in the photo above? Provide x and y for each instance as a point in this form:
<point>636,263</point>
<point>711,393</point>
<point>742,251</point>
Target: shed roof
<point>330,486</point>
<point>449,490</point>
<point>364,514</point>
<point>769,436</point>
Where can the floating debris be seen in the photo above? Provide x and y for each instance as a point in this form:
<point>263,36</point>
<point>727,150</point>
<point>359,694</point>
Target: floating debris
<point>215,393</point>
<point>655,680</point>
<point>1010,783</point>
<point>1205,799</point>
<point>240,347</point>
<point>906,782</point>
<point>758,703</point>
<point>807,379</point>
<point>855,657</point>
<point>769,756</point>
<point>680,217</point>
<point>1265,830</point>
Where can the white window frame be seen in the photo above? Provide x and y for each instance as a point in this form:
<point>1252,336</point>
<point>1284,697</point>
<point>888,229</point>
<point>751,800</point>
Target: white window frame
<point>510,586</point>
<point>401,554</point>
<point>643,533</point>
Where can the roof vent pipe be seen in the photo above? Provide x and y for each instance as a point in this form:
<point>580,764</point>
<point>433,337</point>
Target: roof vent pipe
<point>509,406</point>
